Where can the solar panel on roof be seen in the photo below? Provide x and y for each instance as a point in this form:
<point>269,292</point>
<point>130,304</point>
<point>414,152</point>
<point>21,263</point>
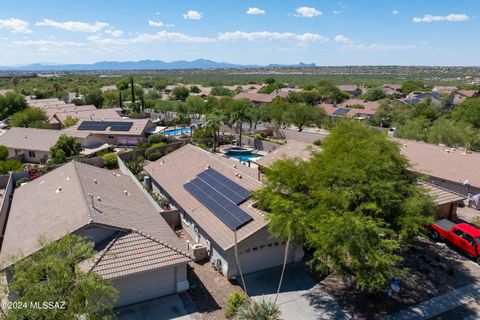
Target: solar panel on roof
<point>224,209</point>
<point>103,125</point>
<point>340,111</point>
<point>225,186</point>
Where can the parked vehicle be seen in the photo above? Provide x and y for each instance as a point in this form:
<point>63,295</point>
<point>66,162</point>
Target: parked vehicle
<point>462,235</point>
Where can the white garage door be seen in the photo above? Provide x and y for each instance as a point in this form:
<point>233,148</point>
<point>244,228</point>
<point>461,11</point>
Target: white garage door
<point>261,259</point>
<point>145,286</point>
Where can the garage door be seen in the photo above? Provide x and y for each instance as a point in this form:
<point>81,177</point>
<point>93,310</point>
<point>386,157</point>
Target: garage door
<point>261,259</point>
<point>145,286</point>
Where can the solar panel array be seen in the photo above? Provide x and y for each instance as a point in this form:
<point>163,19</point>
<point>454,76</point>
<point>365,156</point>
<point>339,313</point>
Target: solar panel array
<point>221,196</point>
<point>103,125</point>
<point>340,111</point>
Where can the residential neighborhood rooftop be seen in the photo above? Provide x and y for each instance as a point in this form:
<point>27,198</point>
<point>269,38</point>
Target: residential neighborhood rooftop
<point>451,164</point>
<point>292,149</point>
<point>76,196</point>
<point>183,165</point>
<point>30,138</point>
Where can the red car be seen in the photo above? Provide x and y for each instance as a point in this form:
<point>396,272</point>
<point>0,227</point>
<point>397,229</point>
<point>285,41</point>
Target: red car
<point>462,235</point>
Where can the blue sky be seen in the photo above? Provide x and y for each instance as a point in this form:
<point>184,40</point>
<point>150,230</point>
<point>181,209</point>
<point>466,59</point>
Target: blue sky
<point>347,32</point>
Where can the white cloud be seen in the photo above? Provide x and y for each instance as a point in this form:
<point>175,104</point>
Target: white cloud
<point>265,36</point>
<point>342,39</point>
<point>170,37</point>
<point>75,26</point>
<point>453,17</point>
<point>308,12</point>
<point>155,24</point>
<point>255,11</point>
<point>395,12</point>
<point>336,12</point>
<point>15,25</point>
<point>114,32</point>
<point>192,15</point>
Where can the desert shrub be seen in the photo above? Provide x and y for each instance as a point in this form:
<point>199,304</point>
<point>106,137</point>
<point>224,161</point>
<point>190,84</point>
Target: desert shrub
<point>110,160</point>
<point>152,154</point>
<point>3,153</point>
<point>234,301</point>
<point>157,138</point>
<point>136,165</point>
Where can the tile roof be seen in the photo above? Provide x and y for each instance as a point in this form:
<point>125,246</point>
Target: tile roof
<point>257,97</point>
<point>292,149</point>
<point>133,252</point>
<point>177,168</point>
<point>30,138</point>
<point>370,107</point>
<point>94,114</point>
<point>138,128</point>
<point>440,195</point>
<point>89,196</point>
<point>442,162</point>
<point>467,93</point>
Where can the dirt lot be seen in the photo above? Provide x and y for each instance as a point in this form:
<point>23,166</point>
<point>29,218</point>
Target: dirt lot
<point>433,270</point>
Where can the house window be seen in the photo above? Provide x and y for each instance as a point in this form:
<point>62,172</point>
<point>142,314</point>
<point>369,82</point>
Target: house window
<point>255,248</point>
<point>31,154</point>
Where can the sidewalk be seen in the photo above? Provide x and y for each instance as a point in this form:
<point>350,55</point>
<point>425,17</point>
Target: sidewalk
<point>440,304</point>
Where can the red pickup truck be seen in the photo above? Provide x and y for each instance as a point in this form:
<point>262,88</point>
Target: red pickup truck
<point>462,236</point>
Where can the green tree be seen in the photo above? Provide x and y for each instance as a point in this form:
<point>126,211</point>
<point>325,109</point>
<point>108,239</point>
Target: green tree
<point>214,121</point>
<point>52,274</point>
<point>263,310</point>
<point>194,89</point>
<point>136,165</point>
<point>7,166</point>
<point>69,121</point>
<point>468,111</point>
<point>414,129</point>
<point>374,94</point>
<point>220,91</point>
<point>3,153</point>
<point>180,93</point>
<point>355,204</point>
<point>95,97</point>
<point>412,85</point>
<point>11,103</point>
<point>453,134</point>
<point>195,105</point>
<point>301,115</point>
<point>30,118</point>
<point>65,147</point>
<point>110,160</point>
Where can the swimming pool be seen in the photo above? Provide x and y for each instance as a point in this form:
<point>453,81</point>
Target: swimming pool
<point>176,132</point>
<point>243,156</point>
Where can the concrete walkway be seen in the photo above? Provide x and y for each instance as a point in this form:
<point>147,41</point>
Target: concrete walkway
<point>440,304</point>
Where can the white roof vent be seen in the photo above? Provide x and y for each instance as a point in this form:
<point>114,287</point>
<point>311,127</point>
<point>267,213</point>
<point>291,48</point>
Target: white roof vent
<point>99,199</point>
<point>207,166</point>
<point>68,178</point>
<point>126,192</point>
<point>59,189</point>
<point>96,181</point>
<point>42,182</point>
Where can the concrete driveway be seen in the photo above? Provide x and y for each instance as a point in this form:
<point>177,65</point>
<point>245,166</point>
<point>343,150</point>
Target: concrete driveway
<point>300,296</point>
<point>170,307</point>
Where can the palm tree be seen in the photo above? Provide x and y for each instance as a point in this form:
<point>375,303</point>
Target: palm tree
<point>132,85</point>
<point>263,310</point>
<point>214,120</point>
<point>240,113</point>
<point>56,88</point>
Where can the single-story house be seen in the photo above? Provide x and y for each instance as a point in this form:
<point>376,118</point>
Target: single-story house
<point>352,90</point>
<point>393,90</point>
<point>352,108</point>
<point>30,145</point>
<point>461,95</point>
<point>445,89</point>
<point>127,132</point>
<point>212,194</point>
<point>259,98</point>
<point>289,150</point>
<point>136,249</point>
<point>446,201</point>
<point>453,169</point>
<point>417,97</point>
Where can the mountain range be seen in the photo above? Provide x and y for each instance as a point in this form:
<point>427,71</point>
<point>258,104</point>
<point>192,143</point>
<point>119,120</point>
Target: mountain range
<point>143,65</point>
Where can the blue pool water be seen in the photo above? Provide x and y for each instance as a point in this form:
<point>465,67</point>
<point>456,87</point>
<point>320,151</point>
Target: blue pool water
<point>176,132</point>
<point>244,157</point>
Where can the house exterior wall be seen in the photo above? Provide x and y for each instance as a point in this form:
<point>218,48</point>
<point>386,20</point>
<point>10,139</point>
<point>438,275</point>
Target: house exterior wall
<point>147,285</point>
<point>36,157</point>
<point>6,183</point>
<point>446,211</point>
<point>260,251</point>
